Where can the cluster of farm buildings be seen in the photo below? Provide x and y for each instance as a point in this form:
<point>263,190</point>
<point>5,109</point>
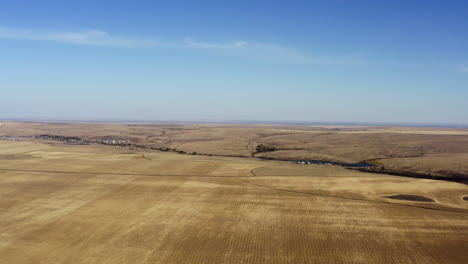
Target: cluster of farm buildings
<point>79,141</point>
<point>8,138</point>
<point>72,140</point>
<point>313,162</point>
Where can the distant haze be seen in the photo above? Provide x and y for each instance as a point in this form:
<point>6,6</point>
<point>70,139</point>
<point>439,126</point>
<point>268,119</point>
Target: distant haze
<point>367,62</point>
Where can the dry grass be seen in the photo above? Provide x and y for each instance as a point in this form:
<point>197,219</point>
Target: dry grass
<point>101,204</point>
<point>439,151</point>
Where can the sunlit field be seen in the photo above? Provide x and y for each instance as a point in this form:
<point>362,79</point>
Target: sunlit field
<point>62,203</point>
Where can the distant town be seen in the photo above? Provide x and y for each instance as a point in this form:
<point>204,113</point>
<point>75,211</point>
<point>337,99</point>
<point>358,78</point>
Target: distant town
<point>7,138</point>
<point>70,140</point>
<point>79,141</point>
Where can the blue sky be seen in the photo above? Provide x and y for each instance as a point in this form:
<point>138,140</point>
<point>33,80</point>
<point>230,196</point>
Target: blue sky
<point>336,61</point>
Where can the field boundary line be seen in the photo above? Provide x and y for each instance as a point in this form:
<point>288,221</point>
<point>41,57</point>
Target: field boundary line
<point>129,174</point>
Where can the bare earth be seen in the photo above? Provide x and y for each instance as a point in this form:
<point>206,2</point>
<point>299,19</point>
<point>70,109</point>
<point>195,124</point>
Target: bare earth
<point>62,203</point>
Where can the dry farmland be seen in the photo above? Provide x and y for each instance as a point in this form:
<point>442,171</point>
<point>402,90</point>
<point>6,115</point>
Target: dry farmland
<point>436,151</point>
<point>63,203</point>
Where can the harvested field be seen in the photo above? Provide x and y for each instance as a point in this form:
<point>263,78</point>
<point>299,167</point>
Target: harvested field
<point>101,204</point>
<point>10,156</point>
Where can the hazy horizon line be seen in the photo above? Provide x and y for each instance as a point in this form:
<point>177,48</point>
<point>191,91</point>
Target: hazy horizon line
<point>244,122</point>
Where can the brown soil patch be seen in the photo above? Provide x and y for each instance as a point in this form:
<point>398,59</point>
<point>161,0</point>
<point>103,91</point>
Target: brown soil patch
<point>410,197</point>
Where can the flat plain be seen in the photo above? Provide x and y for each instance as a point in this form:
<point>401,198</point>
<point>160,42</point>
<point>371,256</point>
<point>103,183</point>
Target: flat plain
<point>63,203</point>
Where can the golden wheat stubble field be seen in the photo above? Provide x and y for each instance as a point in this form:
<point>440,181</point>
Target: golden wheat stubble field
<point>64,203</point>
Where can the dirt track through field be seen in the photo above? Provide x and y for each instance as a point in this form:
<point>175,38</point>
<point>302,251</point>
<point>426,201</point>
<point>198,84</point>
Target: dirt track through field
<point>128,174</point>
<point>454,210</point>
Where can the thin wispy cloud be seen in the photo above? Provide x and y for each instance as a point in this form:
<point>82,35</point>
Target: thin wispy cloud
<point>266,52</point>
<point>462,68</point>
<point>231,45</point>
<point>271,52</point>
<point>88,37</point>
<point>260,51</point>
